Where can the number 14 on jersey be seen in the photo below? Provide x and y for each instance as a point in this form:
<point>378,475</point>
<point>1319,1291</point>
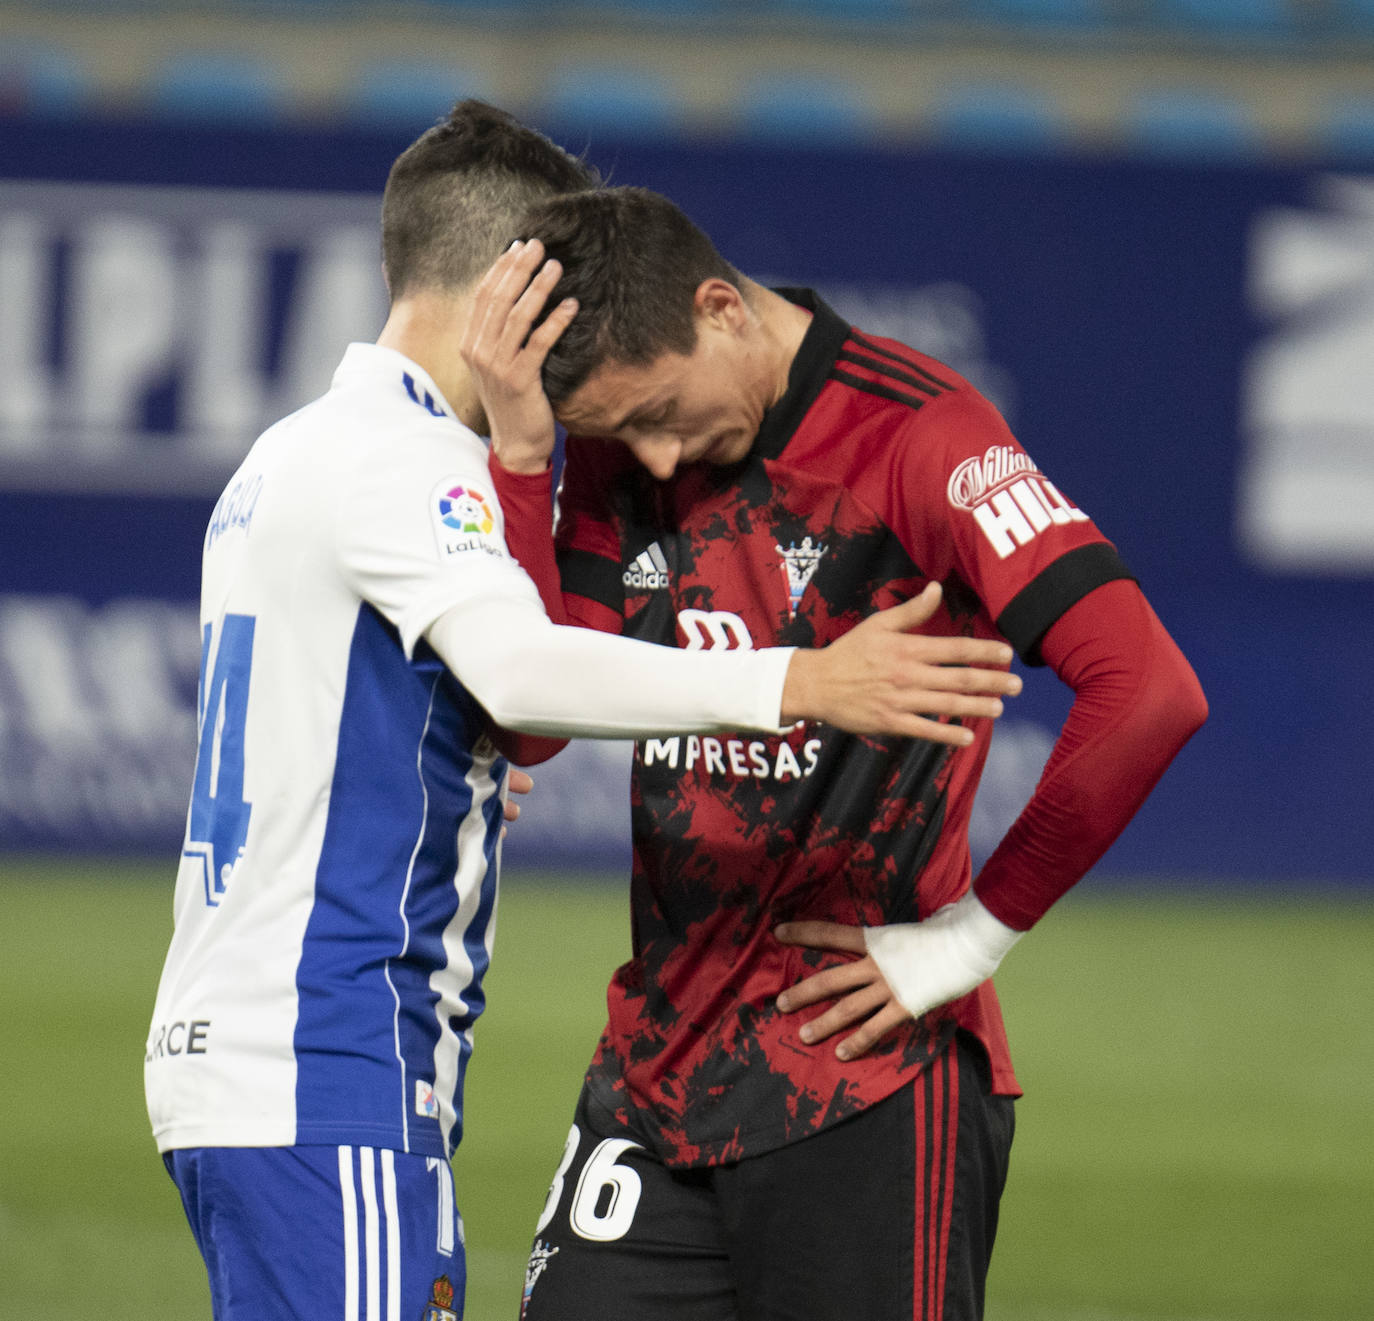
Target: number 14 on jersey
<point>217,826</point>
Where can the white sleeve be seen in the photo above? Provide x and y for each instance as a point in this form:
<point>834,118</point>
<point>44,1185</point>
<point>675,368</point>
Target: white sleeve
<point>418,530</point>
<point>538,677</point>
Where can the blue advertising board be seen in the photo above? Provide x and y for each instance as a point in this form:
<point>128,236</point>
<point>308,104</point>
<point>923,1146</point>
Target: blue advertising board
<point>1185,350</point>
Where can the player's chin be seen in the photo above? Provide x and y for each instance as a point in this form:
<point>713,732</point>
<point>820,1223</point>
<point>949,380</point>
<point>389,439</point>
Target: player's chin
<point>727,446</point>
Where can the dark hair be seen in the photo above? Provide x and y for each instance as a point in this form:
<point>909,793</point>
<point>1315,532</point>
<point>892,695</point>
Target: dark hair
<point>633,261</point>
<point>455,196</point>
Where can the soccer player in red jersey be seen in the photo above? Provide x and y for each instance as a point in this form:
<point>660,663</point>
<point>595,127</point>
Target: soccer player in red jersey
<point>801,1106</point>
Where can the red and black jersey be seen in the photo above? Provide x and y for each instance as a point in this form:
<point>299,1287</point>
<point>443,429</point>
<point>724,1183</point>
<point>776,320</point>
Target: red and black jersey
<point>878,470</point>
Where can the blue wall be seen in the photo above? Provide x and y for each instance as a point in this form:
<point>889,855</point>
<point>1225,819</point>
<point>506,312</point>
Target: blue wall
<point>1188,352</point>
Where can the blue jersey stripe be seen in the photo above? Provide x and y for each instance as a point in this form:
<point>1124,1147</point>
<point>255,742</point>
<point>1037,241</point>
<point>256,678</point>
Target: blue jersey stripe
<point>385,893</point>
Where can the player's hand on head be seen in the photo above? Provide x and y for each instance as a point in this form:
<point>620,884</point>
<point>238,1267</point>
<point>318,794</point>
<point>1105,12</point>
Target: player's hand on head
<point>903,970</point>
<point>880,678</point>
<point>505,351</point>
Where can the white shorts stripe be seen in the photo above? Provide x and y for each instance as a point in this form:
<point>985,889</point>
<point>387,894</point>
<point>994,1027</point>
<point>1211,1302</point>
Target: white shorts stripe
<point>372,1240</point>
<point>444,1173</point>
<point>348,1197</point>
<point>393,1237</point>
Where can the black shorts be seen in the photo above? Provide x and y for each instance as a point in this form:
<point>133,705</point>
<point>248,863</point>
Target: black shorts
<point>889,1216</point>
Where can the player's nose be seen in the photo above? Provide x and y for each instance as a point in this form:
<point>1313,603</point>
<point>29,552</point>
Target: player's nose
<point>662,456</point>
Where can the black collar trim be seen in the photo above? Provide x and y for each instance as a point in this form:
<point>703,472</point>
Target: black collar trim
<point>825,337</point>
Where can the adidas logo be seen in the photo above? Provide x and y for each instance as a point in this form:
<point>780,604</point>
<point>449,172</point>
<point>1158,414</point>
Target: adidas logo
<point>649,571</point>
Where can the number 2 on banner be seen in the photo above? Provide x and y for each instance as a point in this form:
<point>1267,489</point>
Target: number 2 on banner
<point>217,826</point>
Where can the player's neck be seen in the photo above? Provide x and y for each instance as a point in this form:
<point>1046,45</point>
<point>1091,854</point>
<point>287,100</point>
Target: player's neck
<point>784,327</point>
<point>427,328</point>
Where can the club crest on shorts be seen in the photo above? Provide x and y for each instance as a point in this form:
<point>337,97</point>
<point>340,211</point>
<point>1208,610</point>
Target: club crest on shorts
<point>440,1305</point>
<point>799,563</point>
<point>540,1256</point>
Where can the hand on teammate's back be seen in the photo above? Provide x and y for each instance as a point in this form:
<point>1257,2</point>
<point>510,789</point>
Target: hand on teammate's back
<point>879,678</point>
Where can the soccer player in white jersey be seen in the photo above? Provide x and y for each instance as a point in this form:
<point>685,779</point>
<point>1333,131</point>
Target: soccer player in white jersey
<point>364,632</point>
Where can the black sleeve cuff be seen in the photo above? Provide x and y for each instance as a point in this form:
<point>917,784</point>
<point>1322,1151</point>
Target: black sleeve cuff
<point>592,576</point>
<point>1064,583</point>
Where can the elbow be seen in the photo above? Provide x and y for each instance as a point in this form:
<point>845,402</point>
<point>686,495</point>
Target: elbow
<point>1198,711</point>
<point>525,749</point>
<point>1176,710</point>
<point>1189,701</point>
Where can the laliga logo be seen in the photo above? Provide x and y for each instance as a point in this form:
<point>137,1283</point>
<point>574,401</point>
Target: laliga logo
<point>465,509</point>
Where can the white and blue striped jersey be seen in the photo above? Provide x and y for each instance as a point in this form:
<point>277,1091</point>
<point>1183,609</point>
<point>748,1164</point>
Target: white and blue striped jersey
<point>336,894</point>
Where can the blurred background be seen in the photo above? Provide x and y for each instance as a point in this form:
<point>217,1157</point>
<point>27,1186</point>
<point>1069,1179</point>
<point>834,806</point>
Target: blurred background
<point>1145,228</point>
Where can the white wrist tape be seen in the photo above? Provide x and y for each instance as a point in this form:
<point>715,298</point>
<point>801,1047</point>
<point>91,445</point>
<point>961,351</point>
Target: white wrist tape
<point>932,962</point>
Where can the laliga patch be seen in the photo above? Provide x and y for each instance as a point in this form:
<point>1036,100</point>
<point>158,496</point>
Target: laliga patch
<point>464,518</point>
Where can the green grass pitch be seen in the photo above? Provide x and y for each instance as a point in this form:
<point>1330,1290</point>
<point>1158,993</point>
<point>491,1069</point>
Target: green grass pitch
<point>1195,1143</point>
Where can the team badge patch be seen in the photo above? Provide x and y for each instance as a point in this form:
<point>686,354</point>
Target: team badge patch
<point>540,1256</point>
<point>799,563</point>
<point>464,518</point>
<point>440,1306</point>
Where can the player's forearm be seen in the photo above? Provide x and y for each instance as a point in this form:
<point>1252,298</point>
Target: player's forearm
<point>527,502</point>
<point>541,678</point>
<point>1136,703</point>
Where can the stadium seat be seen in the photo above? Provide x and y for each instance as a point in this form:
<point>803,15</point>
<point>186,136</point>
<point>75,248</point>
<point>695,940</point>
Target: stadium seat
<point>39,79</point>
<point>1356,14</point>
<point>212,85</point>
<point>802,107</point>
<point>704,9</point>
<point>1050,13</point>
<point>1191,124</point>
<point>1346,129</point>
<point>410,94</point>
<point>610,99</point>
<point>1230,17</point>
<point>997,117</point>
<point>856,11</point>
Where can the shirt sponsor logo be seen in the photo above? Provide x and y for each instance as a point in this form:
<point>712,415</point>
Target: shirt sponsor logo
<point>179,1038</point>
<point>714,630</point>
<point>735,758</point>
<point>649,572</point>
<point>1010,499</point>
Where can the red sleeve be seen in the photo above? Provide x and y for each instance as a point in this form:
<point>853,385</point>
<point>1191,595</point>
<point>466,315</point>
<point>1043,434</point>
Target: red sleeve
<point>527,503</point>
<point>973,507</point>
<point>588,539</point>
<point>1136,702</point>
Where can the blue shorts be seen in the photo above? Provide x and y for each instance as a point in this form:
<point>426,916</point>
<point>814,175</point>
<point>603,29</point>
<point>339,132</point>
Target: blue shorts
<point>357,1233</point>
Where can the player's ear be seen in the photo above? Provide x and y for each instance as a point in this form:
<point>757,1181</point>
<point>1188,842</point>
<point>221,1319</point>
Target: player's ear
<point>718,303</point>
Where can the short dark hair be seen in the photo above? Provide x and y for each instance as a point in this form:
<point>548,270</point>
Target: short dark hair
<point>455,196</point>
<point>633,261</point>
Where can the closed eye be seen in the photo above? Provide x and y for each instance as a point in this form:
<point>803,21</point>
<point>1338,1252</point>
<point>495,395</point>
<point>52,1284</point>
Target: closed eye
<point>653,421</point>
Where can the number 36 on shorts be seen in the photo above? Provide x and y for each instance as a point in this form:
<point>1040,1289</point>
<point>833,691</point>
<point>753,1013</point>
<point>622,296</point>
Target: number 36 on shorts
<point>607,1193</point>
